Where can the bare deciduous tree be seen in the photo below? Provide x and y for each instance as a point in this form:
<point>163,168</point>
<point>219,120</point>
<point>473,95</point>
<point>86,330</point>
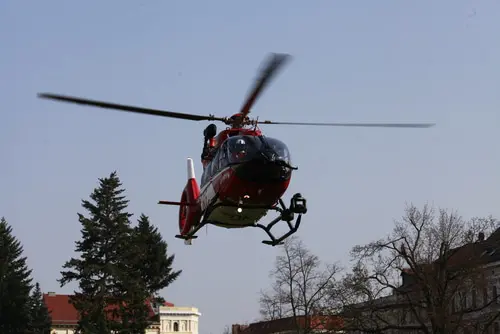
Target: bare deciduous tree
<point>441,258</point>
<point>275,302</point>
<point>301,288</point>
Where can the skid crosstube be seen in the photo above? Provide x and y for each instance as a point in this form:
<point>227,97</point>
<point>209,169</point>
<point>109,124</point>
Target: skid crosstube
<point>297,206</point>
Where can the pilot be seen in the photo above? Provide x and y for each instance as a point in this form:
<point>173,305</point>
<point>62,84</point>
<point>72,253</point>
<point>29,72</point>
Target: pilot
<point>239,145</point>
<point>239,150</point>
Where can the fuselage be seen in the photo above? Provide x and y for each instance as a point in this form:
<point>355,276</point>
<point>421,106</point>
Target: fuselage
<point>246,177</point>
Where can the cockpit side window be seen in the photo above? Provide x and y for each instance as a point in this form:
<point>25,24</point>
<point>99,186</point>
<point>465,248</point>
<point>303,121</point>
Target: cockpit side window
<point>214,164</point>
<point>222,156</point>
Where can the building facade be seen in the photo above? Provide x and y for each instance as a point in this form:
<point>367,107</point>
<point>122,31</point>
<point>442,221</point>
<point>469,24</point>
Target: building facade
<point>178,319</point>
<point>290,325</point>
<point>472,301</point>
<point>171,319</point>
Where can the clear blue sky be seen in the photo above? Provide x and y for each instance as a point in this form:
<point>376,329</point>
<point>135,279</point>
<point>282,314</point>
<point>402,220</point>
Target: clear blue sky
<point>398,61</point>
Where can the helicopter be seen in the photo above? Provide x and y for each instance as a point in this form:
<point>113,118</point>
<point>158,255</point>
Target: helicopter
<point>245,174</point>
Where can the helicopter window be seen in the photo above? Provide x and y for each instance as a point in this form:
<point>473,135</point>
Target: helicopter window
<point>212,168</point>
<point>209,172</point>
<point>241,148</point>
<point>213,165</point>
<point>280,149</point>
<point>222,157</point>
<point>205,176</point>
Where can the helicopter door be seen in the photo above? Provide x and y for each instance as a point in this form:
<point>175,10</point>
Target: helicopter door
<point>222,157</point>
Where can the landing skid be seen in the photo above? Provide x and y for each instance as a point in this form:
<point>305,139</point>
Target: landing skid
<point>297,206</point>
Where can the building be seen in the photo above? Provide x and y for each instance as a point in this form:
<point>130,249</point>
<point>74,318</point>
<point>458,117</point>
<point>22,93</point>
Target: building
<point>166,319</point>
<point>470,300</point>
<point>178,319</point>
<point>319,324</point>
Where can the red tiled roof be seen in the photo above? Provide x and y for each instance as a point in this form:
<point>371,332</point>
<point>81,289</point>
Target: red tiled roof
<point>64,313</point>
<point>61,310</point>
<point>286,324</point>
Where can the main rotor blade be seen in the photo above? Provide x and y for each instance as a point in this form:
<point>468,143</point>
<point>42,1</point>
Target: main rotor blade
<point>273,64</point>
<point>371,125</point>
<point>122,107</point>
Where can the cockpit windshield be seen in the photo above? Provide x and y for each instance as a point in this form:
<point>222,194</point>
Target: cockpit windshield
<point>245,148</point>
<point>242,148</point>
<point>280,149</point>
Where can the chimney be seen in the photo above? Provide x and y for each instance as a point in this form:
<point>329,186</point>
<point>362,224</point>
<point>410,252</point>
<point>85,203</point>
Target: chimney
<point>480,236</point>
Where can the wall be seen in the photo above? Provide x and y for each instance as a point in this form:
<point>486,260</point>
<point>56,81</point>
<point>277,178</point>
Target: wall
<point>58,330</point>
<point>186,319</point>
<point>179,320</point>
<point>473,300</point>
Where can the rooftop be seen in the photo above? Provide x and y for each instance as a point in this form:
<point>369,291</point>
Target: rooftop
<point>288,324</point>
<point>64,313</point>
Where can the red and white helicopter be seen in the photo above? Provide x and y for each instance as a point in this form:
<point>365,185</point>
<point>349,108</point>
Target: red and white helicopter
<point>245,173</point>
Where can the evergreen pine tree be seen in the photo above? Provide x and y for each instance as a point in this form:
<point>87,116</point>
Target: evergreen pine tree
<point>150,270</point>
<point>15,283</point>
<point>119,266</point>
<point>156,265</point>
<point>100,270</point>
<point>40,322</point>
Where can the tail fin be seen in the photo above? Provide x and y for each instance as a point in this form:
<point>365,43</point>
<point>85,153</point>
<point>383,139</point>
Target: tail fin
<point>190,195</point>
<point>189,209</point>
<point>190,169</point>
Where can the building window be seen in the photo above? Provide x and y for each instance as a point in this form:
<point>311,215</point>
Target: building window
<point>176,326</point>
